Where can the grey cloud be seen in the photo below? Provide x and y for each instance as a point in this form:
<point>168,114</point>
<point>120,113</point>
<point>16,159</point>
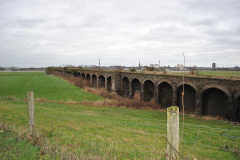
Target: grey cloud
<point>119,32</point>
<point>29,23</point>
<point>208,22</point>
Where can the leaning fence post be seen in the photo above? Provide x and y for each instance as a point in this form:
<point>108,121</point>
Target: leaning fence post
<point>30,112</point>
<point>172,133</point>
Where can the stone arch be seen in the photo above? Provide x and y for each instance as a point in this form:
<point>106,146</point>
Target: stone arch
<point>188,83</point>
<point>83,76</point>
<point>189,98</point>
<point>101,81</point>
<point>128,77</point>
<point>148,90</point>
<point>165,94</point>
<point>136,85</point>
<point>237,95</point>
<point>94,80</point>
<point>109,83</point>
<point>88,77</point>
<point>125,86</point>
<point>79,74</point>
<point>215,100</point>
<point>147,79</point>
<point>168,81</point>
<point>238,108</point>
<point>75,74</point>
<point>226,91</point>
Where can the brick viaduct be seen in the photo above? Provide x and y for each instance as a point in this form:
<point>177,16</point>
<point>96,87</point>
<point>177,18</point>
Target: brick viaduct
<point>203,95</point>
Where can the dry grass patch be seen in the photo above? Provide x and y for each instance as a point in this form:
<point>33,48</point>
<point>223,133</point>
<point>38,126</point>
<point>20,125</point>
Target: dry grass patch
<point>115,99</point>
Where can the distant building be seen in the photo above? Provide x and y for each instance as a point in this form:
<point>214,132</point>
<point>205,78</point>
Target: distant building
<point>213,66</point>
<point>180,67</point>
<point>87,66</point>
<point>154,66</point>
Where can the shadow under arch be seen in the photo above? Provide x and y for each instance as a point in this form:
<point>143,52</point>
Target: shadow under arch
<point>165,94</point>
<point>148,90</point>
<point>189,98</point>
<point>237,112</point>
<point>94,80</point>
<point>88,77</point>
<point>136,86</point>
<point>215,101</point>
<point>101,81</point>
<point>83,76</point>
<point>125,86</point>
<point>109,83</point>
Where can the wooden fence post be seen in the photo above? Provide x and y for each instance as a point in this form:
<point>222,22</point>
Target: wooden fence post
<point>31,112</point>
<point>172,133</point>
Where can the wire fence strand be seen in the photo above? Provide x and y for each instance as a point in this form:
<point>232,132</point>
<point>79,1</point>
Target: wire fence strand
<point>106,135</point>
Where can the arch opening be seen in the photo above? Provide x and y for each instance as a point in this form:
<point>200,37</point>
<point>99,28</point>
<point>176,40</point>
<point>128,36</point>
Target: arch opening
<point>88,77</point>
<point>101,82</point>
<point>238,109</point>
<point>148,93</point>
<point>165,92</point>
<point>83,76</point>
<point>109,83</point>
<point>79,74</point>
<point>214,102</point>
<point>75,74</point>
<point>136,86</point>
<point>125,86</point>
<point>94,80</point>
<point>189,98</point>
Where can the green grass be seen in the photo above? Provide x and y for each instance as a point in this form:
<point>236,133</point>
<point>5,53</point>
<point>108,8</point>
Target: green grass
<point>13,146</point>
<point>89,132</point>
<point>16,84</point>
<point>105,132</point>
<point>220,73</point>
<point>211,73</point>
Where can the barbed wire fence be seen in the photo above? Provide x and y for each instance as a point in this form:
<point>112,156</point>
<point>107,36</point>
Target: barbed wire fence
<point>79,132</point>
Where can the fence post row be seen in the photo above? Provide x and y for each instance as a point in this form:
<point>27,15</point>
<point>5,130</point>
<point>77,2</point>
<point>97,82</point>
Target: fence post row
<point>172,133</point>
<point>31,112</point>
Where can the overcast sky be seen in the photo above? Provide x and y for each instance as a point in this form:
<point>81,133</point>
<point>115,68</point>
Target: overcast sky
<point>44,33</point>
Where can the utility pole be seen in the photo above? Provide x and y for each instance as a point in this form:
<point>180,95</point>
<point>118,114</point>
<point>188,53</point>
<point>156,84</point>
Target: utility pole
<point>159,63</point>
<point>99,62</point>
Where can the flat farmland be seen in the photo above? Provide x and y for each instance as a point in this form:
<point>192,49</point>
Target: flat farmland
<point>230,74</point>
<point>220,73</point>
<point>16,84</point>
<point>73,131</point>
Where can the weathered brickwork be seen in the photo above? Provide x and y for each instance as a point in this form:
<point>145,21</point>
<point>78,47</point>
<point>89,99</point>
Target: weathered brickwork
<point>203,96</point>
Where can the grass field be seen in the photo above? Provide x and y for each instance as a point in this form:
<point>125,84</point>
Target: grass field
<point>74,131</point>
<point>13,146</point>
<point>16,84</point>
<point>212,73</point>
<point>220,73</point>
